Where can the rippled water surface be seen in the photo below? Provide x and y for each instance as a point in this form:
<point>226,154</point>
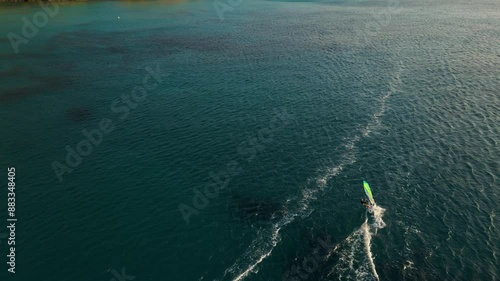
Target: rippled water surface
<point>287,107</point>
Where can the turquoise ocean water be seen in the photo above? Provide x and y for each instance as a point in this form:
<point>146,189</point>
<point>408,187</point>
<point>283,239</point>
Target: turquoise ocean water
<point>287,106</point>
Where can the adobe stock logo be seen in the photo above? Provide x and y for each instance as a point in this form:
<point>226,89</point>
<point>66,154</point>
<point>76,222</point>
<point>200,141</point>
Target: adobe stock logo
<point>30,28</point>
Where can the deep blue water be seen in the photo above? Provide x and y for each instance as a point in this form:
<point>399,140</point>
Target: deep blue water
<point>290,105</point>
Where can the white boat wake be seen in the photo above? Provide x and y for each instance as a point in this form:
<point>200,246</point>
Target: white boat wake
<point>263,245</point>
<point>356,260</point>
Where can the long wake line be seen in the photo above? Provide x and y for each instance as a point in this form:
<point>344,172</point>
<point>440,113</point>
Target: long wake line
<point>378,213</point>
<point>259,255</point>
<point>351,265</point>
<point>274,239</point>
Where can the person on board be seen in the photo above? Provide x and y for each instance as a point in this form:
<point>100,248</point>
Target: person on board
<point>365,202</point>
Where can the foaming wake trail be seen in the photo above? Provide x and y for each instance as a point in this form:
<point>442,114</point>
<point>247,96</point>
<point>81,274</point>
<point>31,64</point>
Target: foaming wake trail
<point>259,249</point>
<point>368,247</point>
<point>376,118</point>
<point>378,214</point>
<point>263,245</point>
<point>351,265</point>
<point>349,156</point>
<point>356,260</point>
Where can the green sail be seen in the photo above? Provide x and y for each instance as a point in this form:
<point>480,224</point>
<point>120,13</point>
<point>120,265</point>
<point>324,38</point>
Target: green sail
<point>368,192</point>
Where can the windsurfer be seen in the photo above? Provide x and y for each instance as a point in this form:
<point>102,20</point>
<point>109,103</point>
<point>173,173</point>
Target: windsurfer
<point>365,202</point>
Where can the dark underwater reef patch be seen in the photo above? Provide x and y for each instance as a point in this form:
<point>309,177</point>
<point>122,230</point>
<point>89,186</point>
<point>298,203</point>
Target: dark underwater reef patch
<point>255,209</point>
<point>314,257</point>
<point>204,44</point>
<point>78,114</point>
<point>40,84</point>
<point>87,42</point>
<point>17,93</point>
<point>136,43</point>
<point>11,72</point>
<point>108,53</point>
